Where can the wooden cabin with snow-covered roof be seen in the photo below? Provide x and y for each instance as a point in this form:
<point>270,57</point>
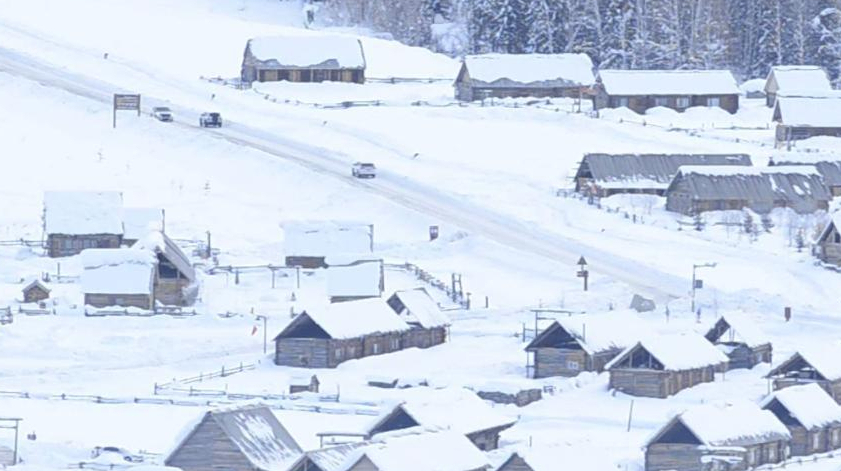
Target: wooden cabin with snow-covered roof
<point>828,246</point>
<point>175,278</point>
<point>788,79</point>
<point>814,364</point>
<point>811,416</point>
<point>640,90</point>
<point>309,58</point>
<point>248,438</point>
<point>665,365</point>
<point>744,345</point>
<point>79,220</point>
<point>729,437</point>
<point>118,278</point>
<point>417,308</point>
<point>419,449</point>
<point>802,117</point>
<point>571,345</point>
<point>308,244</point>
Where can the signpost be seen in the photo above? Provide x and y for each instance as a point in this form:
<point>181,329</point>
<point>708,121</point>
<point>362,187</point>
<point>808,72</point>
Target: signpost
<point>125,102</point>
<point>433,232</point>
<point>696,282</point>
<point>583,272</point>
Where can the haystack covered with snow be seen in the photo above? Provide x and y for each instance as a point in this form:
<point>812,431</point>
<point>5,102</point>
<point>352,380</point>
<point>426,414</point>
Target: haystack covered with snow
<point>78,220</point>
<point>227,438</point>
<point>516,75</point>
<point>309,243</point>
<point>304,58</point>
<point>784,79</point>
<point>118,277</point>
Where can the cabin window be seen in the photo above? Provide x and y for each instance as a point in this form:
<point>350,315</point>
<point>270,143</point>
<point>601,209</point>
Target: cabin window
<point>661,101</point>
<point>682,102</point>
<point>752,456</point>
<point>119,301</point>
<point>395,344</point>
<point>622,101</point>
<point>351,352</point>
<point>337,354</point>
<point>376,348</point>
<point>713,101</point>
<point>816,441</point>
<point>836,437</point>
<point>772,454</point>
<point>573,365</point>
<point>837,237</point>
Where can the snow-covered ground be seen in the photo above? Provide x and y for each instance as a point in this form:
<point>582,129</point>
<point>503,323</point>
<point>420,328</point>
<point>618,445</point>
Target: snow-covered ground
<point>469,169</point>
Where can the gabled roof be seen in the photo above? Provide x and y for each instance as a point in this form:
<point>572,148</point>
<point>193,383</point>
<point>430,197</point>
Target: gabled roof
<point>117,271</point>
<point>676,352</point>
<point>361,278</point>
<point>829,169</point>
<point>309,51</point>
<point>327,238</point>
<point>350,319</point>
<point>824,359</point>
<point>422,450</point>
<point>816,112</point>
<point>421,309</point>
<point>737,424</point>
<point>648,170</point>
<point>256,432</point>
<point>541,457</point>
<point>334,458</point>
<point>834,222</point>
<point>732,328</point>
<point>798,77</point>
<point>530,69</point>
<point>594,333</point>
<point>138,222</point>
<point>808,403</point>
<point>160,244</point>
<point>83,212</point>
<point>668,82</point>
<point>36,283</point>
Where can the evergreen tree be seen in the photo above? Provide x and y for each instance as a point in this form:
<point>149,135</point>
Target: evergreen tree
<point>584,30</point>
<point>768,44</point>
<point>547,21</point>
<point>826,42</point>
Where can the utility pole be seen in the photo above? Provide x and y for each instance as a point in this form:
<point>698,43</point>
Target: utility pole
<point>265,332</point>
<point>696,283</point>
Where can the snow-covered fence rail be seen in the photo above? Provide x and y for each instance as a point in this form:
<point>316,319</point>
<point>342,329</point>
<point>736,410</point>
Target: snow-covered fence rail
<point>36,312</point>
<point>406,80</point>
<point>160,311</point>
<point>22,243</point>
<point>196,392</point>
<point>221,373</point>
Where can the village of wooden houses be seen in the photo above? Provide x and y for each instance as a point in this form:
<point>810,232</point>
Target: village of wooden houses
<point>551,265</point>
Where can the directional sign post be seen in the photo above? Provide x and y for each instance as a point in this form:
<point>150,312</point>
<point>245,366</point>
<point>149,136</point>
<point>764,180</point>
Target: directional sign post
<point>582,272</point>
<point>124,101</point>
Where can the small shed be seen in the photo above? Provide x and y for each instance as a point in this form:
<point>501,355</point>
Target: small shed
<point>354,280</point>
<point>696,189</point>
<point>79,220</point>
<point>304,58</point>
<point>524,75</point>
<point>308,244</point>
<point>733,436</point>
<point>802,117</point>
<point>175,279</point>
<point>744,345</point>
<point>461,410</point>
<point>139,222</point>
<point>35,291</point>
<point>785,79</point>
<point>665,365</point>
<point>571,345</point>
<point>828,244</point>
<point>246,438</point>
<point>608,174</point>
<point>324,337</point>
<point>814,364</point>
<point>419,449</point>
<point>640,90</point>
<point>119,277</point>
<point>417,308</point>
<point>811,416</point>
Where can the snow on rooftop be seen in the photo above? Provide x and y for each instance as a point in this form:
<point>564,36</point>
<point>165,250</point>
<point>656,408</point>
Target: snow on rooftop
<point>531,68</point>
<point>826,359</point>
<point>309,50</point>
<point>601,332</point>
<point>733,424</point>
<point>361,278</point>
<point>421,309</point>
<point>668,82</point>
<point>420,450</point>
<point>753,86</point>
<point>677,351</point>
<point>137,222</point>
<point>117,271</point>
<point>734,170</point>
<point>83,212</point>
<point>809,404</point>
<point>354,319</point>
<point>327,238</point>
<point>799,77</point>
<point>808,111</point>
<point>741,330</point>
<point>334,458</point>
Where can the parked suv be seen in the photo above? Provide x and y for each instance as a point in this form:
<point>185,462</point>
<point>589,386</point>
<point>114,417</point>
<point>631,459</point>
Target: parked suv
<point>210,120</point>
<point>162,113</point>
<point>363,170</point>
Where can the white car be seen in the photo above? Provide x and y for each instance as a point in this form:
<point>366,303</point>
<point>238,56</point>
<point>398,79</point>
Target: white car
<point>162,113</point>
<point>114,455</point>
<point>364,170</point>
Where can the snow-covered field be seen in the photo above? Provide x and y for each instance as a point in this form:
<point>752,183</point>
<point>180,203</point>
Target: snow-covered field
<point>470,169</point>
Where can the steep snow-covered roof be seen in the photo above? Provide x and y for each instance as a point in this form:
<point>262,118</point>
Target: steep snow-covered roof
<point>676,351</point>
<point>421,309</point>
<point>137,222</point>
<point>825,359</point>
<point>817,112</point>
<point>423,450</point>
<point>360,278</point>
<point>669,82</point>
<point>736,424</point>
<point>334,458</point>
<point>256,432</point>
<point>117,271</point>
<point>596,332</point>
<point>159,243</point>
<point>352,319</point>
<point>808,403</point>
<point>571,69</point>
<point>827,166</point>
<point>798,77</point>
<point>302,51</point>
<point>83,212</point>
<point>327,238</point>
<point>735,328</point>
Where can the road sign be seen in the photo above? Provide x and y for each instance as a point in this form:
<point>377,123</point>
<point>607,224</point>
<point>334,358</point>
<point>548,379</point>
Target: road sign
<point>581,261</point>
<point>433,232</point>
<point>699,284</point>
<point>125,102</point>
<point>582,274</point>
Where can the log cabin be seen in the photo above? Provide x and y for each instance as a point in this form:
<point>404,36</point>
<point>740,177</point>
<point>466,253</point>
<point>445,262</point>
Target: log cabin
<point>417,308</point>
<point>787,79</point>
<point>811,416</point>
<point>330,458</point>
<point>830,170</point>
<point>35,292</point>
<point>353,279</point>
<point>641,90</point>
<point>118,278</point>
<point>79,220</point>
<point>175,277</point>
<point>802,117</point>
<point>418,449</point>
<point>812,364</point>
<point>828,245</point>
<point>743,344</point>
<point>307,244</point>
<point>310,58</point>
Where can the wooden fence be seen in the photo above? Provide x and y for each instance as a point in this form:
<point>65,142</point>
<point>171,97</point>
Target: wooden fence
<point>160,311</point>
<point>456,295</point>
<point>221,373</point>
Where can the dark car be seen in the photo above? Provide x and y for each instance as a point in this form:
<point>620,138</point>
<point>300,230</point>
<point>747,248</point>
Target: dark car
<point>210,120</point>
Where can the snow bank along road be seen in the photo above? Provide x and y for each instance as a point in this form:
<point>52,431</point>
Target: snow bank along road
<point>500,228</point>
